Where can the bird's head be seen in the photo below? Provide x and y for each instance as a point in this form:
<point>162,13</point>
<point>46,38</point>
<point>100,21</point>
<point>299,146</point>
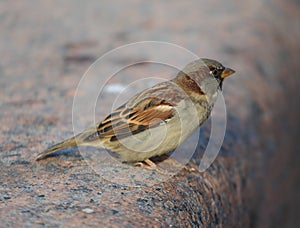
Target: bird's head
<point>217,70</point>
<point>203,76</point>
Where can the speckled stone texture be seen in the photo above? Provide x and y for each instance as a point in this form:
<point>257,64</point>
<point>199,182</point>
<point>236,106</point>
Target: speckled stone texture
<point>46,46</point>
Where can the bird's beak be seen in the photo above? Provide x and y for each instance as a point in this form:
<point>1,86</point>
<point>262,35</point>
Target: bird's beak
<point>227,72</point>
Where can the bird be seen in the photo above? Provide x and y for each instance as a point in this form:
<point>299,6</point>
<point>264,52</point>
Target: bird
<point>158,119</point>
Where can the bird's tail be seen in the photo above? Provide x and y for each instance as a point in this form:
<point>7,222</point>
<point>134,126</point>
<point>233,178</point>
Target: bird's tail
<point>71,142</point>
<point>89,137</point>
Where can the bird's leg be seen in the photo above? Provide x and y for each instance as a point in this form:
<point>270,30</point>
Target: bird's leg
<point>146,164</point>
<point>150,163</point>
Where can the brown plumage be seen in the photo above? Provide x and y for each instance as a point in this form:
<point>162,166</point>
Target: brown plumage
<point>158,119</point>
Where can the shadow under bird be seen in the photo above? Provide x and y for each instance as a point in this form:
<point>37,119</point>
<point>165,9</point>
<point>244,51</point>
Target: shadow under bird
<point>156,120</point>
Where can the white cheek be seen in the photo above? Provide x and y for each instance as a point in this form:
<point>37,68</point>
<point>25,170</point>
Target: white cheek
<point>215,96</point>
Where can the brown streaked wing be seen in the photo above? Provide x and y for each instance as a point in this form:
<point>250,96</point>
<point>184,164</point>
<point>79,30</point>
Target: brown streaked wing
<point>147,113</point>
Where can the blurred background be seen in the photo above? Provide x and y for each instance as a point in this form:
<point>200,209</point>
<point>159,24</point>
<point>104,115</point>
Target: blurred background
<point>46,47</point>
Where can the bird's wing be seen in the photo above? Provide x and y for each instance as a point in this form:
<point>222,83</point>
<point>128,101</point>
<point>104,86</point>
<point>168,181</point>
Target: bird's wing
<point>126,121</point>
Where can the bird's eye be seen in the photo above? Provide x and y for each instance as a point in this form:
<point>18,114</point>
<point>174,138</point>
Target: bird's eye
<point>214,72</point>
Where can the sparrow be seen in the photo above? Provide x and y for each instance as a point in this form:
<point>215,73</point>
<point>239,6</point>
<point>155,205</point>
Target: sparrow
<point>156,120</point>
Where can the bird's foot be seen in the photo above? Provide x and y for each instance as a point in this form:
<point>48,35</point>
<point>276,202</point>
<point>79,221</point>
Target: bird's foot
<point>148,164</point>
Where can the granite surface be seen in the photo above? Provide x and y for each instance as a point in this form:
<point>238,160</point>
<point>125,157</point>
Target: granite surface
<point>47,46</point>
